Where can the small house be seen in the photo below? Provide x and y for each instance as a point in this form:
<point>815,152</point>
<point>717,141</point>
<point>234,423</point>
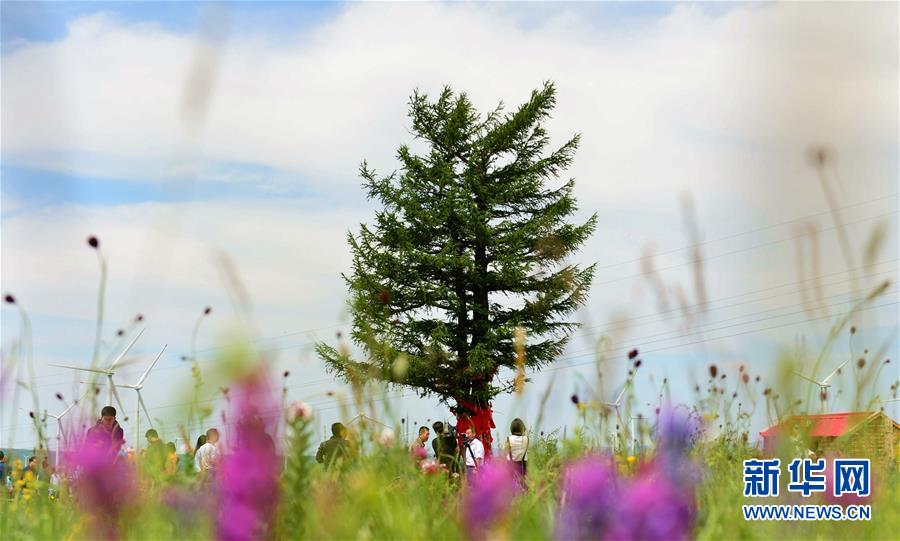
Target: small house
<point>867,434</point>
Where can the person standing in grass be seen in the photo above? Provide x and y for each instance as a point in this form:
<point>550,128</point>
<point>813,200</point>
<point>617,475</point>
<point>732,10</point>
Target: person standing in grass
<point>155,454</point>
<point>107,434</point>
<point>474,451</point>
<point>445,448</point>
<point>200,441</point>
<point>334,449</point>
<point>517,449</point>
<point>171,466</point>
<point>207,457</point>
<point>419,442</point>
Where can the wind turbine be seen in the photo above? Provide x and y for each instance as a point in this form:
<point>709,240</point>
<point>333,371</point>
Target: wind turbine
<point>140,400</point>
<point>59,429</point>
<point>825,383</point>
<point>615,406</point>
<point>108,372</point>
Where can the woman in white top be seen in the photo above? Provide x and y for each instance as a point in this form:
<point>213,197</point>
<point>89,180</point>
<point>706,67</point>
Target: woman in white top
<point>517,448</point>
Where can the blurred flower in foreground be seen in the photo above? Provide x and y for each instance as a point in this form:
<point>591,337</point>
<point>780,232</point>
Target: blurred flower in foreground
<point>677,431</point>
<point>652,508</point>
<point>488,498</point>
<point>386,439</point>
<point>588,495</point>
<point>248,485</point>
<point>299,410</point>
<point>104,484</point>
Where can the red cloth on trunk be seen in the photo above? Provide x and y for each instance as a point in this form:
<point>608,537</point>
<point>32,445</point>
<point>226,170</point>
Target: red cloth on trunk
<point>481,420</point>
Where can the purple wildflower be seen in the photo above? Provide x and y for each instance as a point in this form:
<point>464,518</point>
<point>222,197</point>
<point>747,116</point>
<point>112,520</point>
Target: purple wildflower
<point>588,495</point>
<point>488,497</point>
<point>652,507</point>
<point>248,476</point>
<point>104,485</point>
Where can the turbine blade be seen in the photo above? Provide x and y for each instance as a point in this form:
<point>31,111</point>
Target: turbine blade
<point>144,407</point>
<point>122,385</point>
<point>126,350</point>
<point>833,372</point>
<point>149,368</point>
<point>807,379</point>
<point>118,400</point>
<point>70,367</point>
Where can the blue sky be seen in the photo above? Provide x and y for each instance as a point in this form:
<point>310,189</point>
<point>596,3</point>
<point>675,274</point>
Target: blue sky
<point>721,102</point>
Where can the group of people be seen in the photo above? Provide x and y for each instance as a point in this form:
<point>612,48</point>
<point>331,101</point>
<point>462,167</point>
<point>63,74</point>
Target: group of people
<point>467,451</point>
<point>17,477</point>
<point>463,454</point>
<point>158,458</point>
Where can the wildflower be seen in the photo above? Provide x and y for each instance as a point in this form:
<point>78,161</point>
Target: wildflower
<point>767,391</point>
<point>713,371</point>
<point>386,438</point>
<point>853,329</point>
<point>488,498</point>
<point>632,354</point>
<point>745,377</point>
<point>652,508</point>
<point>419,453</point>
<point>59,396</point>
<point>248,477</point>
<point>286,373</point>
<point>31,414</point>
<point>299,410</point>
<point>429,466</point>
<point>631,459</point>
<point>120,332</point>
<point>93,242</point>
<point>9,299</point>
<point>574,399</point>
<point>861,362</point>
<point>138,318</point>
<point>677,430</point>
<point>104,486</point>
<point>207,310</point>
<point>637,363</point>
<point>589,492</point>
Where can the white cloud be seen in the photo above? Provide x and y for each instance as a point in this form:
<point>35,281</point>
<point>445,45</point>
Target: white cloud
<point>721,105</point>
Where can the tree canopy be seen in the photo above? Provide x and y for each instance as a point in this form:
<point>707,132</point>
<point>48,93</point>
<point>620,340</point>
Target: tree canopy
<point>472,240</point>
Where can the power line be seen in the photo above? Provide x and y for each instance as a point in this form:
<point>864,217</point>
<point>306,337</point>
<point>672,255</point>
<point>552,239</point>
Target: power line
<point>659,315</point>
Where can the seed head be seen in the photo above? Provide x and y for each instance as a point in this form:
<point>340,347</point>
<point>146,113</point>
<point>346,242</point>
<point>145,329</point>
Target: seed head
<point>745,377</point>
<point>59,396</point>
<point>207,310</point>
<point>93,242</point>
<point>861,362</point>
<point>9,299</point>
<point>287,373</point>
<point>31,414</point>
<point>632,354</point>
<point>138,318</point>
<point>574,399</point>
<point>637,363</point>
<point>853,329</point>
<point>713,371</point>
<point>120,332</point>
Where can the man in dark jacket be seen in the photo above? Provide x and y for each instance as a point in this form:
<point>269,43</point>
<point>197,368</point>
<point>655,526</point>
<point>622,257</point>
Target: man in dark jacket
<point>335,449</point>
<point>107,434</point>
<point>445,448</point>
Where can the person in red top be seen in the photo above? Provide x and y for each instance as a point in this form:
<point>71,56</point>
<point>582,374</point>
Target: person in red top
<point>107,434</point>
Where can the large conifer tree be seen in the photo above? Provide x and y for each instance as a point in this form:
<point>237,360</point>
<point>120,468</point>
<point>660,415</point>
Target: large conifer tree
<point>471,241</point>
